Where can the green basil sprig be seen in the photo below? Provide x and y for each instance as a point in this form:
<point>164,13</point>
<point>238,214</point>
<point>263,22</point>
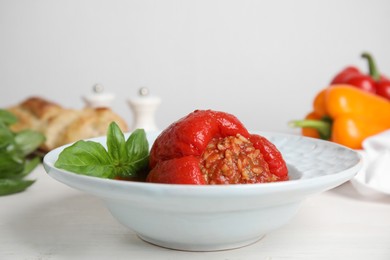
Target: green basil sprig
<point>16,160</point>
<point>122,159</point>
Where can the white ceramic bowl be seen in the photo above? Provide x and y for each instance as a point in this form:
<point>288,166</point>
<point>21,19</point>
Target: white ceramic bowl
<point>208,218</point>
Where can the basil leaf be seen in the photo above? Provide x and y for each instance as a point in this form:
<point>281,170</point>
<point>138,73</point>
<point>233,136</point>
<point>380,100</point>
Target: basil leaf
<point>6,136</point>
<point>138,154</point>
<point>10,186</point>
<point>28,141</point>
<point>133,168</point>
<point>14,147</point>
<point>86,157</point>
<point>116,144</point>
<point>7,117</point>
<point>137,145</point>
<point>30,165</point>
<point>122,158</point>
<point>11,166</point>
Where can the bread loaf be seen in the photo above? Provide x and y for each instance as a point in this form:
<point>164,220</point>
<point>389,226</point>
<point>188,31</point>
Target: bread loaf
<point>61,125</point>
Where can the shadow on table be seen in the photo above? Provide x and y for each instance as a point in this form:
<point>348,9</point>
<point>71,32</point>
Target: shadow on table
<point>359,193</point>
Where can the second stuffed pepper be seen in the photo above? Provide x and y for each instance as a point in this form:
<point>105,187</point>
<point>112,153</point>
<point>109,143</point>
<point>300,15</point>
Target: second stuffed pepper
<point>212,147</point>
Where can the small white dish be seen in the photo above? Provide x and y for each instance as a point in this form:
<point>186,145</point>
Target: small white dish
<point>218,217</point>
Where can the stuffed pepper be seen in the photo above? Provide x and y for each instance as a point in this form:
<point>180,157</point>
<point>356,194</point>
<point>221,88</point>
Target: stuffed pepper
<point>212,147</point>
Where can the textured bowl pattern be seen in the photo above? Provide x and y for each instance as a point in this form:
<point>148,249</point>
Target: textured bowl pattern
<point>313,157</point>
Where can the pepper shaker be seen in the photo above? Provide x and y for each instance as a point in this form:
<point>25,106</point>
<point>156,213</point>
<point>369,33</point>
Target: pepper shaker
<point>98,98</point>
<point>144,107</point>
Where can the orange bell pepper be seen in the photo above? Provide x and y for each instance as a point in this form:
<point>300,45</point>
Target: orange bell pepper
<point>346,115</point>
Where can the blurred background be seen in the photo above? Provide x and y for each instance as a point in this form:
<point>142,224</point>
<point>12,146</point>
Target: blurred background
<point>263,61</point>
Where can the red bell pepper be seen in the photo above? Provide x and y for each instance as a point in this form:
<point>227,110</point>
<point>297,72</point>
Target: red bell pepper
<point>211,147</point>
<point>382,83</point>
<point>372,82</point>
<point>352,76</point>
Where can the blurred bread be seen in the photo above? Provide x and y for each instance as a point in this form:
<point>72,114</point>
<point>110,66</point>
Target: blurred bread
<point>33,113</point>
<point>91,122</point>
<point>60,125</point>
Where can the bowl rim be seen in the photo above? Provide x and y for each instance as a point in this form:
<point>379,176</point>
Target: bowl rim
<point>311,185</point>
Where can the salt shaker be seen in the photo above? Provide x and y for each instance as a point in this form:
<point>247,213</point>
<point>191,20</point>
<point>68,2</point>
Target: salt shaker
<point>98,98</point>
<point>144,107</point>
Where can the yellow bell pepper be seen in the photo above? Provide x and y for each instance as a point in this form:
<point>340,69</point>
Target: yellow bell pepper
<point>346,115</point>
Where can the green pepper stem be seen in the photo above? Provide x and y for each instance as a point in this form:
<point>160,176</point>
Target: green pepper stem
<point>322,126</point>
<point>372,68</point>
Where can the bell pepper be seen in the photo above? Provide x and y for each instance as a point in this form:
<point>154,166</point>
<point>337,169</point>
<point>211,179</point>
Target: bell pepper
<point>212,147</point>
<point>372,82</point>
<point>353,76</point>
<point>346,115</point>
<point>382,83</point>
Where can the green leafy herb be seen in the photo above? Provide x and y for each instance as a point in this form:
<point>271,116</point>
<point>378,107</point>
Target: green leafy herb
<point>7,118</point>
<point>122,159</point>
<point>16,160</point>
<point>10,186</point>
<point>28,141</point>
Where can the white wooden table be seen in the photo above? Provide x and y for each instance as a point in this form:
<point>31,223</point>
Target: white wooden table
<point>53,221</point>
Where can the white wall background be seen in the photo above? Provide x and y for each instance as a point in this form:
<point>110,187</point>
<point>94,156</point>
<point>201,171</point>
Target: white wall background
<point>261,60</point>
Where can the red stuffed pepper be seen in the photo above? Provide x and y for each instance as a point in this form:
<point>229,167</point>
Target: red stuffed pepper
<point>211,147</point>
